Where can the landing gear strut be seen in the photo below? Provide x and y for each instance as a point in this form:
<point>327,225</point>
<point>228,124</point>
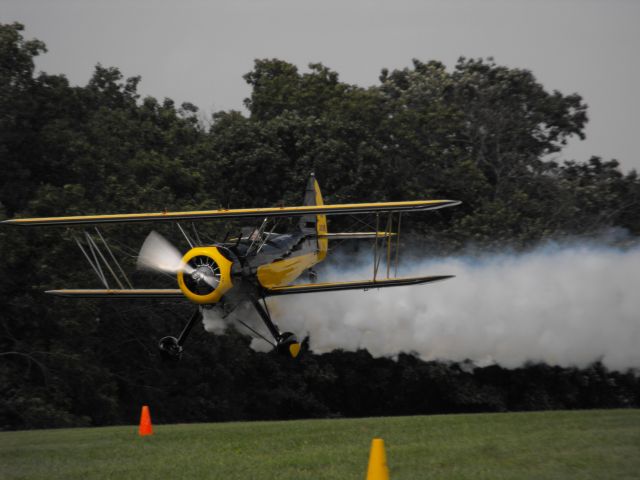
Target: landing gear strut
<point>171,347</point>
<point>286,342</point>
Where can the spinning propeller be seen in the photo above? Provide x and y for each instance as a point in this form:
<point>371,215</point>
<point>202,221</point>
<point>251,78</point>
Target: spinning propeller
<point>159,255</point>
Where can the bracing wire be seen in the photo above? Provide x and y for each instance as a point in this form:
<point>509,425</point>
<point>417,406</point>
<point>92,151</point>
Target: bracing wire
<point>258,334</point>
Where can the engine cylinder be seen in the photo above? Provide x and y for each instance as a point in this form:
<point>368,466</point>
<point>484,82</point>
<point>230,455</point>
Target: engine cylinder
<point>205,275</point>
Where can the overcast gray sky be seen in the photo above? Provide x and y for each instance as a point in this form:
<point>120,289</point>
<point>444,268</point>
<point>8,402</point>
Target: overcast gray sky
<point>198,50</point>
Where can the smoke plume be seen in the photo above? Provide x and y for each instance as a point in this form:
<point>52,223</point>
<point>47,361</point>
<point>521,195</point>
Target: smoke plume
<point>566,306</point>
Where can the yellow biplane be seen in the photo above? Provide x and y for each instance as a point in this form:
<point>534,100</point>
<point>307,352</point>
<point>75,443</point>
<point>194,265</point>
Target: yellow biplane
<point>258,264</point>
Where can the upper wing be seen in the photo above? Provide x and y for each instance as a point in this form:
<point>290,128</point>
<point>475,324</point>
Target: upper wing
<point>357,285</point>
<point>418,205</point>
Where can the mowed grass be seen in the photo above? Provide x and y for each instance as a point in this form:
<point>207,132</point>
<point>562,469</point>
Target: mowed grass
<point>578,444</point>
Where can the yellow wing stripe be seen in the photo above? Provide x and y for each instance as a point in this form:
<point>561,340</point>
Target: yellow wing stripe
<point>129,293</point>
<point>350,208</point>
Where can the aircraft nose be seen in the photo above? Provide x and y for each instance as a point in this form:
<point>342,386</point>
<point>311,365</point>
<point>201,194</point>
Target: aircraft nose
<point>208,277</point>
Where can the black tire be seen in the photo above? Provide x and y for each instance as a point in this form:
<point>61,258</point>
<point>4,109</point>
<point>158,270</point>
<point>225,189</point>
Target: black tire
<point>170,350</point>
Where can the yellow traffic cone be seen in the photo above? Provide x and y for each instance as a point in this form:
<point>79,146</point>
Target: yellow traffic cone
<point>378,469</point>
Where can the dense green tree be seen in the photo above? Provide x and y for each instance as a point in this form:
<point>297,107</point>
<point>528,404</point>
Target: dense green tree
<point>17,109</point>
<point>480,133</point>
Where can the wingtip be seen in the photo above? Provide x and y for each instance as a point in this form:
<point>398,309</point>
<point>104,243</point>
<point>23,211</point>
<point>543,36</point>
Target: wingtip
<point>19,222</point>
<point>440,278</point>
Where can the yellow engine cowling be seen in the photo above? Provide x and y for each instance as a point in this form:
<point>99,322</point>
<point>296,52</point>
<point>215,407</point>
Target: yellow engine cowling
<point>205,276</point>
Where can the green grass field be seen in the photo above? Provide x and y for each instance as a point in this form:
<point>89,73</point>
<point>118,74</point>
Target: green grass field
<point>581,444</point>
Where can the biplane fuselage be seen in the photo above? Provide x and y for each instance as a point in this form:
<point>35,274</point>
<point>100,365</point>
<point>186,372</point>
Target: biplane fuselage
<point>285,257</point>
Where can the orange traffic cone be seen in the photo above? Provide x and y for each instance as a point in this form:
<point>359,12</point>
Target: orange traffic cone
<point>378,469</point>
<point>145,422</point>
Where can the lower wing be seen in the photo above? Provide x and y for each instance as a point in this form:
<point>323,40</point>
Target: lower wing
<point>357,285</point>
<point>289,290</point>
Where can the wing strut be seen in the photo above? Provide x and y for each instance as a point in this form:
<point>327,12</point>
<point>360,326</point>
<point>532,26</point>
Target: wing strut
<point>395,274</point>
<point>386,246</point>
<point>184,234</point>
<point>95,265</point>
<point>106,246</point>
<point>376,262</point>
<point>96,259</point>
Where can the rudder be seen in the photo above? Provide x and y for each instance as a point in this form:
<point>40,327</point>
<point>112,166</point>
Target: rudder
<point>315,223</point>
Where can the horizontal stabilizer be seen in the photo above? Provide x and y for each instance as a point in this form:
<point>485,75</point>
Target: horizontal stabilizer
<point>345,209</point>
<point>129,293</point>
<point>357,285</point>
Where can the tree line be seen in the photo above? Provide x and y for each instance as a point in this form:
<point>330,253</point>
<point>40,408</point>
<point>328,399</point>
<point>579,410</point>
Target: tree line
<point>486,134</point>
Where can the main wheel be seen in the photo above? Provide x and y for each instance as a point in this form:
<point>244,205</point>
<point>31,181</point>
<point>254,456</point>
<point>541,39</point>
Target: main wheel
<point>170,350</point>
<point>288,345</point>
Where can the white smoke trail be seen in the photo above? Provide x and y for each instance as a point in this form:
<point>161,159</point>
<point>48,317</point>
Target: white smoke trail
<point>560,305</point>
<point>213,322</point>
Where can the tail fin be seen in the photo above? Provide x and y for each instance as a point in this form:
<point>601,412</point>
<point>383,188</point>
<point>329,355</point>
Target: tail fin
<point>315,223</point>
